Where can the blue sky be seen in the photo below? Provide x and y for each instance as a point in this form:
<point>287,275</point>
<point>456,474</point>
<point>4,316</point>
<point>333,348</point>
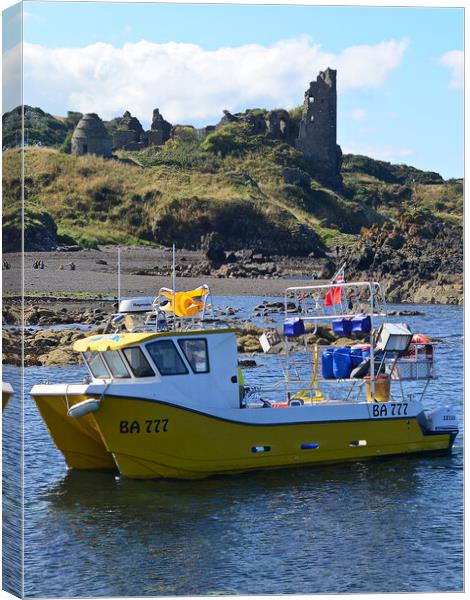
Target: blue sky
<point>399,69</point>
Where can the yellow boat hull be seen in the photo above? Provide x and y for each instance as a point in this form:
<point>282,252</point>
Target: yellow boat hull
<point>151,440</point>
<point>78,439</point>
<point>5,399</point>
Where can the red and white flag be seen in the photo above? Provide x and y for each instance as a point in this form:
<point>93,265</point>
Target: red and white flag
<point>333,296</point>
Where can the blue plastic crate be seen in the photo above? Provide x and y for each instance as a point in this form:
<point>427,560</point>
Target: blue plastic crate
<point>361,324</point>
<point>342,327</point>
<point>294,326</point>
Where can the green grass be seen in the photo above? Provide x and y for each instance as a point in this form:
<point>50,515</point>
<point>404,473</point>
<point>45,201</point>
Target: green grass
<point>332,238</point>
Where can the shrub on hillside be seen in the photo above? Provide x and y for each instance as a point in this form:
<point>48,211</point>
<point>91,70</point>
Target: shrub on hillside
<point>388,172</point>
<point>184,152</point>
<point>40,230</point>
<point>229,139</point>
<point>240,223</point>
<point>67,144</point>
<point>184,133</point>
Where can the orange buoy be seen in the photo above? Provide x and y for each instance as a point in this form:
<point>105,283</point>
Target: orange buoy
<point>420,338</point>
<point>186,306</point>
<point>182,304</point>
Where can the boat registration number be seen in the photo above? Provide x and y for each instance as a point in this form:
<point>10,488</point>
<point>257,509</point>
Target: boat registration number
<point>147,426</point>
<point>390,409</point>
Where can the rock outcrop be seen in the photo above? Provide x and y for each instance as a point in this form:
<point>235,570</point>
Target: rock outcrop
<point>417,260</point>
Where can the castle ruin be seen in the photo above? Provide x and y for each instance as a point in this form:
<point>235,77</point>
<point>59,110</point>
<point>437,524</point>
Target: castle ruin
<point>314,136</point>
<point>317,131</point>
<point>130,135</point>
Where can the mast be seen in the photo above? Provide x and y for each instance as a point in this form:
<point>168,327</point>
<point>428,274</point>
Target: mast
<point>119,275</point>
<point>174,286</point>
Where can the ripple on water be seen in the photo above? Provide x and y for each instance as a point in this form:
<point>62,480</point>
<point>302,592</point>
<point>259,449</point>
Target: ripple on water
<point>320,530</point>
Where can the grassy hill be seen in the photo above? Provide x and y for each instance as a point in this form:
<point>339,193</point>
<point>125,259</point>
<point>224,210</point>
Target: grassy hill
<point>392,189</point>
<point>256,192</point>
<point>40,128</point>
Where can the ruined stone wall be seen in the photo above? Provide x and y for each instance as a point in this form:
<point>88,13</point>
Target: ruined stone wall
<point>130,134</point>
<point>153,138</point>
<point>125,139</point>
<point>279,126</point>
<point>317,132</point>
<point>160,127</point>
<point>203,132</point>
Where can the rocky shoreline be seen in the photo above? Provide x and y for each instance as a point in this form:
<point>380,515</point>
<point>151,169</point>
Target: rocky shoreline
<point>416,260</point>
<point>411,269</point>
<point>51,329</point>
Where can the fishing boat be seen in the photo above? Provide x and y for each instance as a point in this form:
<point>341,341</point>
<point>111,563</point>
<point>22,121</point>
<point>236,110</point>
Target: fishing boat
<point>165,396</point>
<point>7,393</point>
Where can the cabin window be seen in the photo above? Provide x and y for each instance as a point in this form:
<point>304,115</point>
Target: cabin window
<point>165,355</point>
<point>138,363</point>
<point>116,364</point>
<point>196,354</point>
<point>95,363</point>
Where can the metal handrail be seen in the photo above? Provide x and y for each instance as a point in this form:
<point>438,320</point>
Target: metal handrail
<point>375,292</point>
<point>329,317</point>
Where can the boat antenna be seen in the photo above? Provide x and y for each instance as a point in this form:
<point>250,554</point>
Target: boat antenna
<point>119,274</point>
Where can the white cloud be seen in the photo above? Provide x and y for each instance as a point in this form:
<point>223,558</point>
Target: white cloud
<point>11,75</point>
<point>380,152</point>
<point>191,84</point>
<point>358,114</point>
<point>453,60</point>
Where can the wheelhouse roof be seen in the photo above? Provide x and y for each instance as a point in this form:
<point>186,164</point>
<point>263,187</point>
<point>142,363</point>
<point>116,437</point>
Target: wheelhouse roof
<point>116,341</point>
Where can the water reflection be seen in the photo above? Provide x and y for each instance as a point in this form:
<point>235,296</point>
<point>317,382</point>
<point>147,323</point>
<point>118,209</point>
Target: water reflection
<point>12,457</point>
<point>284,530</point>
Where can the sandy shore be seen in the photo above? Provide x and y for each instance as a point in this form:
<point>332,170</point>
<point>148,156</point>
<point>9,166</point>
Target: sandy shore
<point>91,276</point>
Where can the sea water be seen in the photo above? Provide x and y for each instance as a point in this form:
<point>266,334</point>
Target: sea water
<point>391,525</point>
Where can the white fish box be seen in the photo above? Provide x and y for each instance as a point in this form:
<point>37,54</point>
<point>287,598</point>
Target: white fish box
<point>393,337</point>
<point>271,342</point>
<point>135,305</point>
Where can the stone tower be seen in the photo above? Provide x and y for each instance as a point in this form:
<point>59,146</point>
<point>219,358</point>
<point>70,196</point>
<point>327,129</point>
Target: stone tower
<point>160,130</point>
<point>91,137</point>
<point>317,132</point>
